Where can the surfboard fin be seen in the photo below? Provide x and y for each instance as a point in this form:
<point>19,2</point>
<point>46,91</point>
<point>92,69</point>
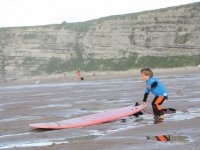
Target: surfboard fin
<point>138,113</point>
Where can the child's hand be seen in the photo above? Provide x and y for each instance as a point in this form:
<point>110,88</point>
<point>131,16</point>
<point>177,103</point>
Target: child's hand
<point>149,87</point>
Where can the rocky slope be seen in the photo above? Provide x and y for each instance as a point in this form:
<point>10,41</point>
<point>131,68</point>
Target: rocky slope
<point>161,38</point>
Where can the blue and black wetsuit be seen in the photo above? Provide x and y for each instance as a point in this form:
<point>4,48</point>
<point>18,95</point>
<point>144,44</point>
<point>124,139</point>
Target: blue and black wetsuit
<point>160,94</point>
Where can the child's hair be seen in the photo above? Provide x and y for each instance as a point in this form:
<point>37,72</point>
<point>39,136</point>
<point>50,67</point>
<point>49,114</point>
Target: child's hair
<point>147,72</point>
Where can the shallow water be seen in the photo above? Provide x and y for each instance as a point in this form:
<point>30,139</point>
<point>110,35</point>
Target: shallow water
<point>25,104</point>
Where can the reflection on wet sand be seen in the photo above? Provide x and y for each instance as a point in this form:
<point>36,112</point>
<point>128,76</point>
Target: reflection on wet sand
<point>169,138</point>
<point>158,120</point>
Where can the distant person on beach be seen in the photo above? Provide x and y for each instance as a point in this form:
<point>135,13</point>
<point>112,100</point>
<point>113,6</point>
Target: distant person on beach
<point>93,75</point>
<point>65,76</point>
<point>154,86</point>
<point>78,75</point>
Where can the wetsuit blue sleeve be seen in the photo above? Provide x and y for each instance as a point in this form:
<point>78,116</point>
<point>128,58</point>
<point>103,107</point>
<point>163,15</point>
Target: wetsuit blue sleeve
<point>154,84</point>
<point>147,90</point>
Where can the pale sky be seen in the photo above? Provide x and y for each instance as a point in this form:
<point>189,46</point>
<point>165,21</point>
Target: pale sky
<point>43,12</point>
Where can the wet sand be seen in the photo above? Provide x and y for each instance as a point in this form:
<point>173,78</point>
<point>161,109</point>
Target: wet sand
<point>27,103</point>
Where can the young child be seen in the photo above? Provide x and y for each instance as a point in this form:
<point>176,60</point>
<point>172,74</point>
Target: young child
<point>154,86</point>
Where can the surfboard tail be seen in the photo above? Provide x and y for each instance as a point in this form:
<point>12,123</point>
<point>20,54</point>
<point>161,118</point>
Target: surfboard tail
<point>138,113</point>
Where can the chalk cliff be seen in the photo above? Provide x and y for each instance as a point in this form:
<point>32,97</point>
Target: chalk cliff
<point>167,37</point>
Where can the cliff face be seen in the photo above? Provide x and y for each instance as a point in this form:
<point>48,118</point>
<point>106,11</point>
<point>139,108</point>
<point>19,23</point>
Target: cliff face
<point>166,32</point>
<point>116,43</point>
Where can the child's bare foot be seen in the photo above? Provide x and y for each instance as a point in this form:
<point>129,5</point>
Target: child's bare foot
<point>161,117</point>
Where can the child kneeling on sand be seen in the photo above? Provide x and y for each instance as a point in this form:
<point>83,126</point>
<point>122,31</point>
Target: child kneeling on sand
<point>154,86</point>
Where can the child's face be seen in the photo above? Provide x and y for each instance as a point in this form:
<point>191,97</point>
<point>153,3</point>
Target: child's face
<point>144,77</point>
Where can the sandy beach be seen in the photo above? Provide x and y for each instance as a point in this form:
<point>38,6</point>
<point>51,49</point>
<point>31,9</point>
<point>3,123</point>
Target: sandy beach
<point>53,99</point>
<point>106,75</point>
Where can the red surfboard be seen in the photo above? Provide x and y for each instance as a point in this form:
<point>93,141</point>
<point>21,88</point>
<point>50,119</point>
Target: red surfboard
<point>102,117</point>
